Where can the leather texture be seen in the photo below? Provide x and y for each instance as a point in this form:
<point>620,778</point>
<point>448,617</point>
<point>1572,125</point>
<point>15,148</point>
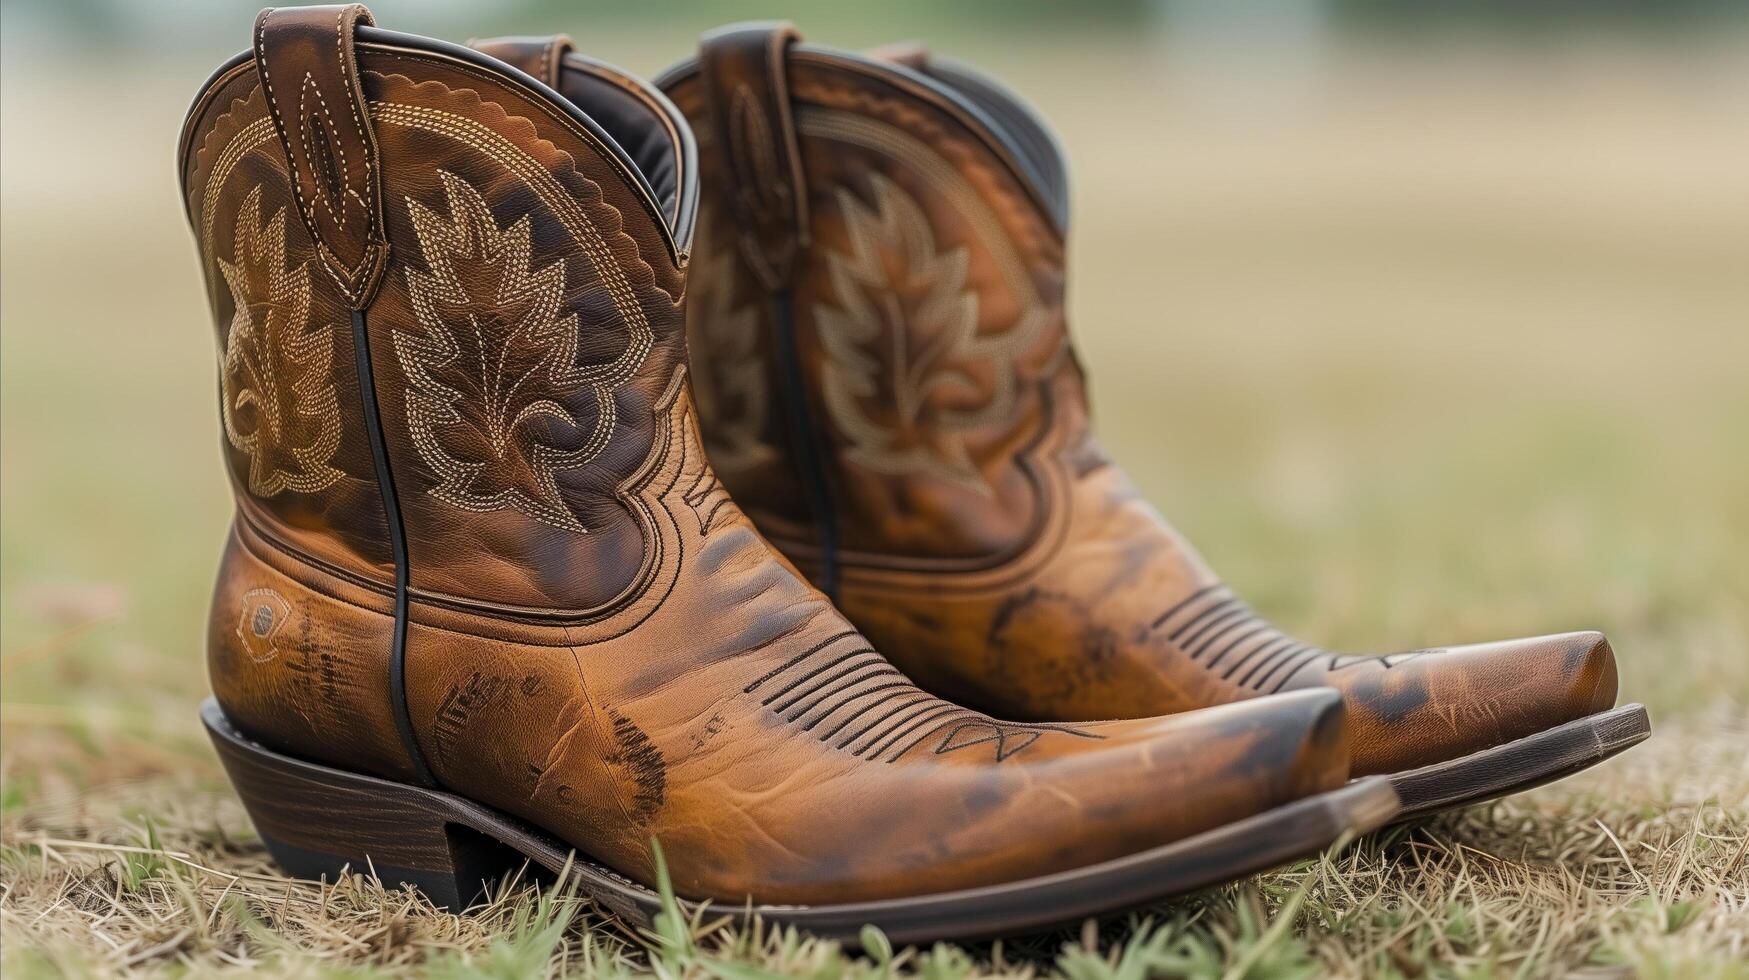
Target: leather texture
<point>973,527</point>
<point>748,103</point>
<point>305,60</point>
<point>540,58</point>
<point>597,640</point>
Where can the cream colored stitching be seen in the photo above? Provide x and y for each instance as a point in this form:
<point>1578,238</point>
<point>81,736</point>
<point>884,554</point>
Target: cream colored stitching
<point>563,206</point>
<point>357,124</point>
<point>730,387</point>
<point>270,330</point>
<point>869,312</point>
<point>255,631</point>
<point>310,151</point>
<point>247,139</point>
<point>850,128</point>
<point>352,292</point>
<point>527,354</point>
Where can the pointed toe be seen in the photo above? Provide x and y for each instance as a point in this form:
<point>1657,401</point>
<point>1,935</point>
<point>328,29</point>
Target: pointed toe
<point>1430,706</point>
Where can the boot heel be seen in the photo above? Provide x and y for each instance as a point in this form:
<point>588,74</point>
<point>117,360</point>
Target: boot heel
<point>317,821</point>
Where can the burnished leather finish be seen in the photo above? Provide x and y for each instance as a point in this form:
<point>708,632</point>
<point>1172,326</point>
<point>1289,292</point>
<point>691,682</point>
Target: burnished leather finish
<point>540,58</point>
<point>968,521</point>
<point>749,103</point>
<point>305,60</point>
<point>596,639</point>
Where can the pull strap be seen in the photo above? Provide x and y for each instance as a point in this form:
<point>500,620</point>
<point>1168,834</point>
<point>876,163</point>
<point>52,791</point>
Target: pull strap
<point>912,54</point>
<point>309,73</point>
<point>744,70</point>
<point>537,57</point>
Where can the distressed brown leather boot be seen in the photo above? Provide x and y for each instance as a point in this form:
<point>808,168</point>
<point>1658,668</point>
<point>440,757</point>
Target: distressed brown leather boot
<point>887,386</point>
<point>485,600</point>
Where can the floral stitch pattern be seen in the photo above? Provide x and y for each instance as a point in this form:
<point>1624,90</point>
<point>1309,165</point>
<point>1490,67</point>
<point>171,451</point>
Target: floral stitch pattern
<point>278,397</point>
<point>903,351</point>
<point>497,356</point>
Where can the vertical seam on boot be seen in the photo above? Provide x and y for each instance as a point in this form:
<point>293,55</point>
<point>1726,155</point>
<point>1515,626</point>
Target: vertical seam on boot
<point>379,452</point>
<point>809,453</point>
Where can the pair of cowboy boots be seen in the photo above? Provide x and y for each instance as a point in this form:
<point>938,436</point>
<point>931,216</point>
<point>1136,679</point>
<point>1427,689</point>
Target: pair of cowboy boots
<point>487,601</point>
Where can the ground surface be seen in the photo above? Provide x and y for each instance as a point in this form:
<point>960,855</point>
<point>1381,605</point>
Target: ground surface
<point>1447,346</point>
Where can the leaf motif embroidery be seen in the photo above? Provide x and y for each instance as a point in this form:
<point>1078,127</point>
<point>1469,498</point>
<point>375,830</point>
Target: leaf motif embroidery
<point>489,375</point>
<point>279,403</point>
<point>729,379</point>
<point>903,353</point>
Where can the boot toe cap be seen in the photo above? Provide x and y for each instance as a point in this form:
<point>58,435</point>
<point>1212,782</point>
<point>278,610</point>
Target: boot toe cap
<point>1416,709</point>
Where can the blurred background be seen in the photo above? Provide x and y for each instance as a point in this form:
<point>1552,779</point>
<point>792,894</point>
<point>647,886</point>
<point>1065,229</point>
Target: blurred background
<point>1429,322</point>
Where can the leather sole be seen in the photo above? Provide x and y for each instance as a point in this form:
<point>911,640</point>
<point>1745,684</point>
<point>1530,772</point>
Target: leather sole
<point>1520,765</point>
<point>317,821</point>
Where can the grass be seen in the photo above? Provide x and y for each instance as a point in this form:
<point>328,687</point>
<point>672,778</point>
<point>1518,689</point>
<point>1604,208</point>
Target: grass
<point>1453,352</point>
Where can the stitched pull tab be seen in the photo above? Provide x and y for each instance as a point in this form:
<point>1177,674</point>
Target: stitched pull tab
<point>310,76</point>
<point>746,79</point>
<point>537,57</point>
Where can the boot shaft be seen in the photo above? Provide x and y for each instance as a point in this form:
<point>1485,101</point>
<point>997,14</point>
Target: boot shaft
<point>452,366</point>
<point>877,314</point>
<point>448,313</point>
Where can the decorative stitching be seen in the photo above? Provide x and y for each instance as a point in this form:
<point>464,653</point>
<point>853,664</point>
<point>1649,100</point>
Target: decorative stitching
<point>489,434</point>
<point>1178,606</point>
<point>798,658</point>
<point>560,201</point>
<point>541,500</point>
<point>264,613</point>
<point>551,115</point>
<point>875,312</point>
<point>277,368</point>
<point>761,191</point>
<point>339,216</point>
<point>732,390</point>
<point>240,145</point>
<point>904,337</point>
<point>848,739</point>
<point>345,276</point>
<point>705,494</point>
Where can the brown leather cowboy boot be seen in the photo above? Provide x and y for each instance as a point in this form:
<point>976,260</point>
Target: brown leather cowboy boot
<point>484,598</point>
<point>887,386</point>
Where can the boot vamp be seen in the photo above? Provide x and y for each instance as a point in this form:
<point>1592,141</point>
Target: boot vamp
<point>773,753</point>
<point>964,800</point>
<point>1122,617</point>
